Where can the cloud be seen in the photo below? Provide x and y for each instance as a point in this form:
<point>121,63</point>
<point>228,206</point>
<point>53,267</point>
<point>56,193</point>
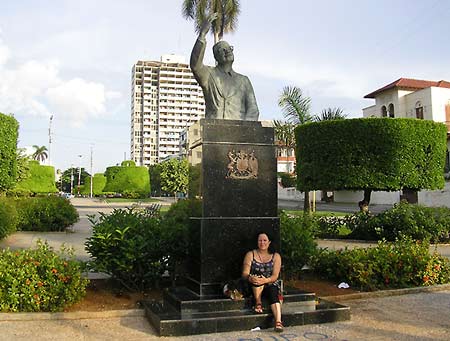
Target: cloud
<point>77,99</point>
<point>36,88</point>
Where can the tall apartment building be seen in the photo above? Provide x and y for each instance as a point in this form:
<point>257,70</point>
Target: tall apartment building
<point>165,100</point>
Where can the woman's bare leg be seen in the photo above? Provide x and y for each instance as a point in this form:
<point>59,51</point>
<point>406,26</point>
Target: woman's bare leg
<point>257,292</point>
<point>276,311</point>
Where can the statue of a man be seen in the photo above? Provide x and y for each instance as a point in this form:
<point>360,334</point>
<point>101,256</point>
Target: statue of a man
<point>228,94</point>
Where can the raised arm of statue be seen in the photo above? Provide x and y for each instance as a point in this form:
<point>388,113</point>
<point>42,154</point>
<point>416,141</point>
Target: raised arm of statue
<point>198,52</point>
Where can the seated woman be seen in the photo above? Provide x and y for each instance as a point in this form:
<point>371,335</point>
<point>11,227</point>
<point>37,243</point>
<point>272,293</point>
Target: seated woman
<point>261,268</point>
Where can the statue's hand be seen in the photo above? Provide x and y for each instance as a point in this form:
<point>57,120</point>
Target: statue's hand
<point>207,24</point>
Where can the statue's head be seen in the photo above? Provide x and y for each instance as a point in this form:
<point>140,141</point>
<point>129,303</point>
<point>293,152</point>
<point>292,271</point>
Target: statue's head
<point>223,52</point>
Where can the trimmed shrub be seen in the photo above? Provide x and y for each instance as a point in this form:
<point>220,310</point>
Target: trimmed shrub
<point>9,131</point>
<point>39,280</point>
<point>128,163</point>
<point>45,214</point>
<point>127,179</point>
<point>41,179</point>
<point>415,221</point>
<point>404,263</point>
<point>297,242</point>
<point>287,180</point>
<point>98,184</point>
<point>8,217</point>
<point>371,153</point>
<point>126,244</point>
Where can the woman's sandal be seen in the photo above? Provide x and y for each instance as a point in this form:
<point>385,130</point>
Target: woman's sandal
<point>258,308</point>
<point>278,327</point>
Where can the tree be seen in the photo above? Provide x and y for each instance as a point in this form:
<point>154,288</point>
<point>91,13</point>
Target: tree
<point>175,176</point>
<point>69,179</point>
<point>296,109</point>
<point>40,153</point>
<point>371,154</point>
<point>227,13</point>
<point>330,114</point>
<point>154,172</point>
<point>9,131</point>
<point>23,166</point>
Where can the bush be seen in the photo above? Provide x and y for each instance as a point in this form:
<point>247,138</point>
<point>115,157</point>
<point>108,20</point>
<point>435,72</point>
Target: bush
<point>126,244</point>
<point>297,242</point>
<point>9,130</point>
<point>8,217</point>
<point>128,179</point>
<point>287,180</point>
<point>45,214</point>
<point>98,184</point>
<point>39,280</point>
<point>405,263</point>
<point>176,236</point>
<point>415,221</point>
<point>41,179</point>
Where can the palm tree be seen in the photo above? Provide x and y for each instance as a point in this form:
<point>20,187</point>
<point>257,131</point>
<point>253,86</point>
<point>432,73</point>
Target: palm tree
<point>40,153</point>
<point>296,108</point>
<point>330,114</point>
<point>227,13</point>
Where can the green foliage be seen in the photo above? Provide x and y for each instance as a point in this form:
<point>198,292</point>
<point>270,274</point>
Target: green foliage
<point>45,214</point>
<point>126,244</point>
<point>415,221</point>
<point>9,130</point>
<point>297,242</point>
<point>405,263</point>
<point>128,163</point>
<point>98,184</point>
<point>154,172</point>
<point>23,165</point>
<point>41,179</point>
<point>371,153</point>
<point>175,176</point>
<point>40,153</point>
<point>8,217</point>
<point>128,179</point>
<point>176,232</point>
<point>39,280</point>
<point>287,180</point>
<point>195,185</point>
<point>72,173</point>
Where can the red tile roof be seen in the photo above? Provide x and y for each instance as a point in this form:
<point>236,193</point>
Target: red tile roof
<point>409,84</point>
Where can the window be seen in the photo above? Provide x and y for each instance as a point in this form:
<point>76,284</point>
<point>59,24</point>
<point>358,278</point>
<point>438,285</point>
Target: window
<point>383,111</point>
<point>391,110</point>
<point>419,110</point>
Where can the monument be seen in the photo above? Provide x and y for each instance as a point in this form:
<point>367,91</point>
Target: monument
<point>239,184</point>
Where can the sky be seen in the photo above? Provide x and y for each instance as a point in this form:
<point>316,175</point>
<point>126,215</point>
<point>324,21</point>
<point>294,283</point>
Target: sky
<point>72,60</point>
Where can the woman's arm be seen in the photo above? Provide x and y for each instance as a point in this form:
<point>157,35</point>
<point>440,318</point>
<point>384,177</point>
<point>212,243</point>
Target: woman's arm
<point>247,265</point>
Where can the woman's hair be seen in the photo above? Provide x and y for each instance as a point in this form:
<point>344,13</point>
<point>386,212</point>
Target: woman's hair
<point>269,236</point>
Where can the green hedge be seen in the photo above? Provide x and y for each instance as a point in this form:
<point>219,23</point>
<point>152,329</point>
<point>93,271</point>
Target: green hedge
<point>127,179</point>
<point>99,182</point>
<point>40,180</point>
<point>9,131</point>
<point>371,153</point>
<point>39,280</point>
<point>287,179</point>
<point>405,263</point>
<point>8,217</point>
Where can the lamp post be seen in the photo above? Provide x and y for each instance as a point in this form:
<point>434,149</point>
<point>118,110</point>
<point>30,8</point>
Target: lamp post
<point>79,175</point>
<point>71,179</point>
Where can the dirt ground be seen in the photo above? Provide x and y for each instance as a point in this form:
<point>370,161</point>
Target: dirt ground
<point>103,295</point>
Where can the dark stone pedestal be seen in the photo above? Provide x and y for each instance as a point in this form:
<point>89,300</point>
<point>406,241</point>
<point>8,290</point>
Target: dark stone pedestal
<point>239,182</point>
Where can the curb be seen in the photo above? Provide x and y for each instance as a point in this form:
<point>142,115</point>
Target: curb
<point>76,315</point>
<point>386,293</point>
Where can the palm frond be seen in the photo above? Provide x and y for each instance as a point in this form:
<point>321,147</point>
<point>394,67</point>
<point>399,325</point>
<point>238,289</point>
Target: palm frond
<point>188,9</point>
<point>330,114</point>
<point>295,106</point>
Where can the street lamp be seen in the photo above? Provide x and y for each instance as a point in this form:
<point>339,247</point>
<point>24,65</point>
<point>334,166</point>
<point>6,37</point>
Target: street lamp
<point>71,179</point>
<point>79,175</point>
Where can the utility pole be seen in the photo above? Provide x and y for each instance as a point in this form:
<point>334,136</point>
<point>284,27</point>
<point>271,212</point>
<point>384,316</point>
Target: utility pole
<point>50,140</point>
<point>71,179</point>
<point>79,175</point>
<point>92,175</point>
